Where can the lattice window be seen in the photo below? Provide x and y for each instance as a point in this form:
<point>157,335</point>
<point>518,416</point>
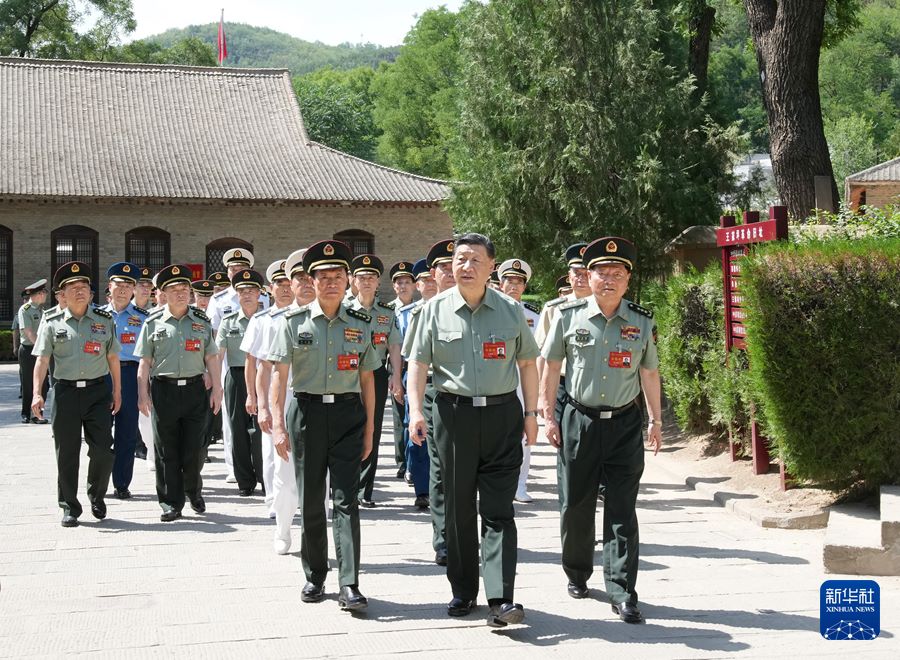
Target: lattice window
<point>360,242</point>
<point>217,249</point>
<point>148,246</point>
<point>7,302</point>
<point>76,243</point>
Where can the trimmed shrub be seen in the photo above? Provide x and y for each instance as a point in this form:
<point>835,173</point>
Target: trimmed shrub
<point>824,341</point>
<point>6,351</point>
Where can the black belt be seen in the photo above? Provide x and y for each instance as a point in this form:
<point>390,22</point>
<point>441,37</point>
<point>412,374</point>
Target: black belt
<point>180,382</point>
<point>428,380</point>
<point>602,412</point>
<point>82,383</point>
<point>129,363</point>
<point>478,401</point>
<point>326,398</point>
<point>240,367</point>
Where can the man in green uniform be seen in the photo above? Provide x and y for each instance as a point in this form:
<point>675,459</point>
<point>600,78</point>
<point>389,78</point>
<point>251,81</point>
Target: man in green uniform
<point>29,318</point>
<point>246,440</point>
<point>365,273</point>
<point>405,287</point>
<point>609,345</point>
<point>178,353</point>
<point>203,291</point>
<point>327,345</point>
<point>82,341</point>
<point>474,338</point>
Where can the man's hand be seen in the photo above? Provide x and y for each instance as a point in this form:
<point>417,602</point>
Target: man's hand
<point>367,440</point>
<point>251,406</point>
<point>282,443</point>
<point>551,431</point>
<point>37,406</point>
<point>215,398</point>
<point>418,428</point>
<point>144,404</point>
<point>531,430</point>
<point>207,380</point>
<point>397,387</point>
<point>264,419</point>
<point>654,437</point>
<point>116,401</point>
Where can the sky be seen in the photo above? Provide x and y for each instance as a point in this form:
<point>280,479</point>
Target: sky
<point>383,22</point>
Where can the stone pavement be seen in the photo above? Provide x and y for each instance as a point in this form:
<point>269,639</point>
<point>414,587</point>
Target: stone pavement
<point>711,584</point>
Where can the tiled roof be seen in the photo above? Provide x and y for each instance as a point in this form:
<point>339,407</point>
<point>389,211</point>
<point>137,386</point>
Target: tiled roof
<point>90,129</point>
<point>887,171</point>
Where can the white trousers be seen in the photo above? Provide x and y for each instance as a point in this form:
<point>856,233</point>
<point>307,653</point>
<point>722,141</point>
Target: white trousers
<point>285,499</point>
<point>523,471</point>
<point>146,429</point>
<point>268,458</point>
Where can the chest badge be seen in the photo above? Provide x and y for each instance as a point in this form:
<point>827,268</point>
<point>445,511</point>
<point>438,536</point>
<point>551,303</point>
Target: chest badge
<point>582,335</point>
<point>382,320</point>
<point>353,335</point>
<point>304,338</point>
<point>630,333</point>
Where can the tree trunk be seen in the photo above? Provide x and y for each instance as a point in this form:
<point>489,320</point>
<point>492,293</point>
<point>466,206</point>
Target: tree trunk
<point>787,35</point>
<point>700,25</point>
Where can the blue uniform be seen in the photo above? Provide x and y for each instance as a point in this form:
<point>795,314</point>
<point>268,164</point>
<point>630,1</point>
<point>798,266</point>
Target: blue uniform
<point>417,461</point>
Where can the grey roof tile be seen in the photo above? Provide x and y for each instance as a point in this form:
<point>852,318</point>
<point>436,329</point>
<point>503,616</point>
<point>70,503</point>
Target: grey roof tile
<point>886,171</point>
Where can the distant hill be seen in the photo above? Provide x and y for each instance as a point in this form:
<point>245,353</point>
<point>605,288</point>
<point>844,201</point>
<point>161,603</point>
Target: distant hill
<point>256,47</point>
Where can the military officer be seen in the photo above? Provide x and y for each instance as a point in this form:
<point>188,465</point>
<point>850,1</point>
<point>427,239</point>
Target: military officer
<point>82,341</point>
<point>246,439</point>
<point>143,288</point>
<point>609,344</point>
<point>220,281</point>
<point>143,297</point>
<point>405,289</point>
<point>177,350</point>
<point>29,318</point>
<point>365,273</point>
<point>475,339</point>
<point>562,285</point>
<point>514,275</point>
<point>128,319</point>
<point>327,345</point>
<point>203,291</point>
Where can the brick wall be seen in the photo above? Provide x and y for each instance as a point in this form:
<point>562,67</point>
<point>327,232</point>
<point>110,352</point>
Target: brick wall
<point>877,194</point>
<point>401,232</point>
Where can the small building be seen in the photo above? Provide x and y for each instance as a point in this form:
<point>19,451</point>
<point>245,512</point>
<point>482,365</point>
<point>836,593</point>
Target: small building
<point>158,164</point>
<point>695,246</point>
<point>876,186</point>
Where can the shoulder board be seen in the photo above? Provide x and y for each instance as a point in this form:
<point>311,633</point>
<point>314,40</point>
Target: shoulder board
<point>221,293</point>
<point>299,310</point>
<point>54,315</point>
<point>274,311</point>
<point>199,313</point>
<point>556,301</point>
<point>99,311</point>
<point>358,314</point>
<point>27,305</point>
<point>262,312</point>
<point>574,303</point>
<point>229,316</point>
<point>417,309</point>
<point>47,313</point>
<point>386,305</point>
<point>634,307</point>
<point>533,308</point>
<point>141,310</point>
<point>155,314</point>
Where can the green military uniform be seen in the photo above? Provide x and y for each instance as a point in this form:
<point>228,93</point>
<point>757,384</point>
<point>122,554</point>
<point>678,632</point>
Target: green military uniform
<point>325,421</point>
<point>601,431</point>
<point>478,427</point>
<point>79,348</point>
<point>28,318</point>
<point>177,350</point>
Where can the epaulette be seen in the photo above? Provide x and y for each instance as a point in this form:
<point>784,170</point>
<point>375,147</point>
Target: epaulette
<point>228,316</point>
<point>556,301</point>
<point>386,305</point>
<point>417,309</point>
<point>27,305</point>
<point>574,303</point>
<point>55,315</point>
<point>533,308</point>
<point>261,312</point>
<point>199,313</point>
<point>222,292</point>
<point>634,307</point>
<point>411,305</point>
<point>141,310</point>
<point>358,314</point>
<point>294,312</point>
<point>99,311</point>
<point>276,311</point>
<point>155,314</point>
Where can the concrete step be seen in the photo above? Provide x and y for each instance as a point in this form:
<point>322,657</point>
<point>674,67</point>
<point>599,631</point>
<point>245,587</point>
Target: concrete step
<point>890,516</point>
<point>861,541</point>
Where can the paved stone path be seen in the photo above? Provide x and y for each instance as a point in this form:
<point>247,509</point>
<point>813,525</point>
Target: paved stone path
<point>711,584</point>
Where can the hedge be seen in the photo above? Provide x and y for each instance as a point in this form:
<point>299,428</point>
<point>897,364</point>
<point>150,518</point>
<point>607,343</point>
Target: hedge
<point>6,351</point>
<point>823,338</point>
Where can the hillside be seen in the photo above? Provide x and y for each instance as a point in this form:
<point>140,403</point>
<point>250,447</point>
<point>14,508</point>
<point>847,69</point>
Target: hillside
<point>257,47</point>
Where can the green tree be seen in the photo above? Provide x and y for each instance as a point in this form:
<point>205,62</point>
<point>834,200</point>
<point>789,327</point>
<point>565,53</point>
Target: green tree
<point>573,127</point>
<point>190,51</point>
<point>851,142</point>
<point>416,105</point>
<point>337,109</point>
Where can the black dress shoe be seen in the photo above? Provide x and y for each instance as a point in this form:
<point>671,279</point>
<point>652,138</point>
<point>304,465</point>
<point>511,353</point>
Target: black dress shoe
<point>504,614</point>
<point>141,452</point>
<point>197,503</point>
<point>169,516</point>
<point>628,612</point>
<point>68,520</point>
<point>312,593</point>
<point>422,501</point>
<point>245,492</point>
<point>578,590</point>
<point>367,504</point>
<point>460,607</point>
<point>26,419</point>
<point>35,420</point>
<point>401,472</point>
<point>122,494</point>
<point>440,557</point>
<point>351,600</point>
<point>98,510</point>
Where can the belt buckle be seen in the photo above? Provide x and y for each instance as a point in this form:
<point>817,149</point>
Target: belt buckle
<point>80,383</point>
<point>606,414</point>
<point>328,398</point>
<point>181,382</point>
<point>479,401</point>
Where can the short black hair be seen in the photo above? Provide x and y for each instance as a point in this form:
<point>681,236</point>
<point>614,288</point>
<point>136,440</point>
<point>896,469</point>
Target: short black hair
<point>473,238</point>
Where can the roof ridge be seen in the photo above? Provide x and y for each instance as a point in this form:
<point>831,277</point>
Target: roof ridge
<point>875,168</point>
<point>412,175</point>
<point>138,66</point>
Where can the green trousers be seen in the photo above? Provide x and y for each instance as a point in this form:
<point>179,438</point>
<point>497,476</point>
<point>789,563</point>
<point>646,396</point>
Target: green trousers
<point>77,408</point>
<point>398,410</point>
<point>481,454</point>
<point>328,437</point>
<point>179,422</point>
<point>435,482</point>
<point>246,438</point>
<point>370,465</point>
<point>614,448</point>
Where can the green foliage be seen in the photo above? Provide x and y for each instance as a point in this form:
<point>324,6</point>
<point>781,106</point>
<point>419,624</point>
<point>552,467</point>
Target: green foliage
<point>337,109</point>
<point>6,351</point>
<point>416,105</point>
<point>824,342</point>
<point>847,224</point>
<point>574,127</point>
<point>190,51</point>
<point>257,47</point>
<point>851,143</point>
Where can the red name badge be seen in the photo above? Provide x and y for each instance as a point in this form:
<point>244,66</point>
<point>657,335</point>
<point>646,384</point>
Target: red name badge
<point>379,338</point>
<point>128,337</point>
<point>348,362</point>
<point>92,347</point>
<point>192,345</point>
<point>620,359</point>
<point>493,350</point>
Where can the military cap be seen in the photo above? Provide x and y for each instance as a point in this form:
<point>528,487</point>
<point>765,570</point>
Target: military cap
<point>37,287</point>
<point>515,267</point>
<point>238,257</point>
<point>495,276</point>
<point>420,270</point>
<point>174,274</point>
<point>219,278</point>
<point>123,271</point>
<point>610,250</point>
<point>574,255</point>
<point>71,272</point>
<point>247,277</point>
<point>202,287</point>
<point>327,254</point>
<point>294,263</point>
<point>440,252</point>
<point>401,268</point>
<point>276,271</point>
<point>367,263</point>
<point>146,275</point>
<point>563,283</point>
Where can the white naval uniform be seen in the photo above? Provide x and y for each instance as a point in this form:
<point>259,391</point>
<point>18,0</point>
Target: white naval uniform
<point>522,490</point>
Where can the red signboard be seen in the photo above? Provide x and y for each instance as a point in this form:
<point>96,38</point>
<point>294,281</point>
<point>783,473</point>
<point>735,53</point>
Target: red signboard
<point>756,232</point>
<point>196,271</point>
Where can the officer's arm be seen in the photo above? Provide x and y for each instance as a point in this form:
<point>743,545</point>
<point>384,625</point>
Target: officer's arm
<point>416,377</point>
<point>276,401</point>
<point>529,380</point>
<point>396,361</point>
<point>215,374</point>
<point>30,334</point>
<point>250,383</point>
<point>115,374</point>
<point>548,388</point>
<point>143,381</point>
<point>38,375</point>
<point>367,389</point>
<point>650,383</point>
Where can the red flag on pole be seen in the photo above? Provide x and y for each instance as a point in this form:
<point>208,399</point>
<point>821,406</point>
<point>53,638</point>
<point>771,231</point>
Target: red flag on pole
<point>222,47</point>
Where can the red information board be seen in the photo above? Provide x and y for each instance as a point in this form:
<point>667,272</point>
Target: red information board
<point>196,271</point>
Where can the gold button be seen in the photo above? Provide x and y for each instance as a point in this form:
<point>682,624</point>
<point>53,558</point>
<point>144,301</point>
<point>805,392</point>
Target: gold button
<point>602,396</point>
<point>604,378</point>
<point>605,341</point>
<point>329,359</point>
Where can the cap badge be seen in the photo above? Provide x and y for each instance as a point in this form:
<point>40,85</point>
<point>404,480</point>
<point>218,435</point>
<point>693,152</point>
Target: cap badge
<point>176,270</point>
<point>450,246</point>
<point>126,268</point>
<point>366,261</point>
<point>246,274</point>
<point>611,246</point>
<point>328,250</point>
<point>75,268</point>
<point>581,251</point>
<point>517,264</point>
<point>402,266</point>
<point>237,254</point>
